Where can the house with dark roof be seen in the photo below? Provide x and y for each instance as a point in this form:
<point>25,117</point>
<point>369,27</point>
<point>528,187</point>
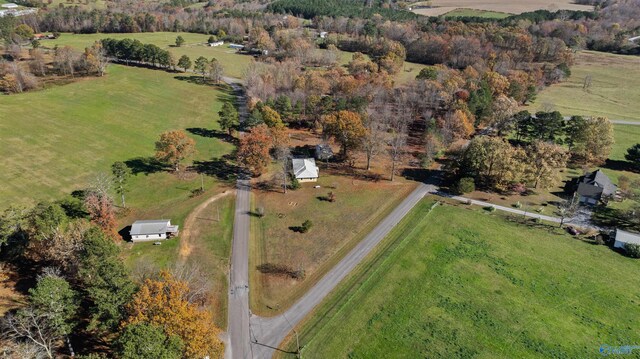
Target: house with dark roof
<point>152,230</point>
<point>595,187</point>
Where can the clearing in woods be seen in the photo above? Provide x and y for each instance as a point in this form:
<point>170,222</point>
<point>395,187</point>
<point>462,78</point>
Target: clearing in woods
<point>462,282</point>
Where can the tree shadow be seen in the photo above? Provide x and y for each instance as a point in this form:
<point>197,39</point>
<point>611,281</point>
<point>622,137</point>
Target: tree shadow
<point>610,217</point>
<point>202,81</point>
<point>146,165</point>
<point>125,233</point>
<point>220,168</point>
<point>205,132</point>
<point>618,165</point>
<point>426,176</point>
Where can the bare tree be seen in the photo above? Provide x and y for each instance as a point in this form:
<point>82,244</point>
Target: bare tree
<point>282,155</point>
<point>398,132</point>
<point>377,127</point>
<point>567,209</point>
<point>588,81</point>
<point>33,327</point>
<point>197,281</point>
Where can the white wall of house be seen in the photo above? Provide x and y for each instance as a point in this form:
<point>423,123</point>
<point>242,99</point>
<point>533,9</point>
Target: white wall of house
<point>618,244</point>
<point>148,237</point>
<point>588,200</point>
<point>307,180</point>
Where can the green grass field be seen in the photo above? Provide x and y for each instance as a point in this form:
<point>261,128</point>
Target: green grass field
<point>464,283</point>
<point>59,139</point>
<point>234,64</point>
<point>476,13</point>
<point>614,92</point>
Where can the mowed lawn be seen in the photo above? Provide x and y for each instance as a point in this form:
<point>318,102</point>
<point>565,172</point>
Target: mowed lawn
<point>59,139</point>
<point>614,92</point>
<point>234,64</point>
<point>337,227</point>
<point>465,283</point>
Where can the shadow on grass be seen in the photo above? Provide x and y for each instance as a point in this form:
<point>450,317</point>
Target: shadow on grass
<point>125,233</point>
<point>615,218</point>
<point>426,176</point>
<point>617,165</point>
<point>146,165</point>
<point>203,81</point>
<point>205,132</point>
<point>220,168</point>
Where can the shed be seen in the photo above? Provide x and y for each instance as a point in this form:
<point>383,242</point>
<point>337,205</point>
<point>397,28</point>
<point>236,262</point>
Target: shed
<point>305,169</point>
<point>217,43</point>
<point>151,230</point>
<point>236,46</point>
<point>323,152</point>
<point>10,5</point>
<point>624,237</point>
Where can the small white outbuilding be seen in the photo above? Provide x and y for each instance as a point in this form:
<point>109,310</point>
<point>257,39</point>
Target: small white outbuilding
<point>152,230</point>
<point>624,237</point>
<point>305,169</point>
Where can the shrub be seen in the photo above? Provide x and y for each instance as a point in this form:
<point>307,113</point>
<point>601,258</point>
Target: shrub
<point>260,212</point>
<point>465,185</point>
<point>633,250</point>
<point>306,226</point>
<point>282,270</point>
<point>295,184</point>
<point>517,205</point>
<point>331,197</point>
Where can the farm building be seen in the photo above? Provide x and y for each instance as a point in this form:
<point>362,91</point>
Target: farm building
<point>323,152</point>
<point>595,187</point>
<point>152,230</point>
<point>236,46</point>
<point>215,44</point>
<point>323,34</point>
<point>624,237</point>
<point>10,5</point>
<point>305,169</point>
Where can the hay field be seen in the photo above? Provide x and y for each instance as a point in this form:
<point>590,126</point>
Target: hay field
<point>441,7</point>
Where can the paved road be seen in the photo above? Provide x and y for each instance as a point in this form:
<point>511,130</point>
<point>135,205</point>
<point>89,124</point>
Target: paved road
<point>237,335</point>
<point>268,333</point>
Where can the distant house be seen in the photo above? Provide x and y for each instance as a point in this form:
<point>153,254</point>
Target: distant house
<point>323,34</point>
<point>236,46</point>
<point>624,237</point>
<point>215,44</point>
<point>10,5</point>
<point>305,169</point>
<point>152,230</point>
<point>323,152</point>
<point>595,187</point>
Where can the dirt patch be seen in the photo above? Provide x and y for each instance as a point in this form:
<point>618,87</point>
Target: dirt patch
<point>187,234</point>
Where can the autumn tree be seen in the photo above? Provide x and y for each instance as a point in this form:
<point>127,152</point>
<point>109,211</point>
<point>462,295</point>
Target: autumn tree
<point>277,128</point>
<point>253,150</point>
<point>596,141</point>
<point>173,147</point>
<point>184,62</point>
<point>101,211</point>
<point>502,110</point>
<point>396,141</point>
<point>492,161</point>
<point>215,70</point>
<point>162,302</point>
<point>347,129</point>
<point>147,341</point>
<point>229,118</point>
<point>544,161</point>
<point>376,125</point>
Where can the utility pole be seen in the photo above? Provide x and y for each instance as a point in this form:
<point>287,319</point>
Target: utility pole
<point>202,182</point>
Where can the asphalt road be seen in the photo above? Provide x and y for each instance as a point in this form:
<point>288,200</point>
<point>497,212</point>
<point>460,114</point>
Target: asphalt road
<point>268,333</point>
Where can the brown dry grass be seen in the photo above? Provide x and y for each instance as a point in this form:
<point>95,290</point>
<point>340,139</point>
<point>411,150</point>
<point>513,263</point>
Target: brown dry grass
<point>441,7</point>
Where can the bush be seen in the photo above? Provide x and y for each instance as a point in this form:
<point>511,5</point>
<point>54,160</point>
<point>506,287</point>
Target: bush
<point>517,205</point>
<point>306,226</point>
<point>633,250</point>
<point>331,197</point>
<point>260,212</point>
<point>465,185</point>
<point>490,208</point>
<point>295,184</point>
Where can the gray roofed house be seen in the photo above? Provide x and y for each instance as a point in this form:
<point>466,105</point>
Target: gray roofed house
<point>624,237</point>
<point>323,152</point>
<point>305,169</point>
<point>595,187</point>
<point>150,230</point>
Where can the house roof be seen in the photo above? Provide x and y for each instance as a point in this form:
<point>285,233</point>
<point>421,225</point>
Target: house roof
<point>596,183</point>
<point>156,226</point>
<point>304,168</point>
<point>627,237</point>
<point>323,151</point>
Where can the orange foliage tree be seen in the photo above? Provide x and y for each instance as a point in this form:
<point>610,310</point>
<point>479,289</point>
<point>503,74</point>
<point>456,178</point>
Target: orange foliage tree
<point>253,150</point>
<point>346,127</point>
<point>173,147</point>
<point>101,212</point>
<point>163,302</point>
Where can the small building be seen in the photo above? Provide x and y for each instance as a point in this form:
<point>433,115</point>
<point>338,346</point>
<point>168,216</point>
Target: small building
<point>152,230</point>
<point>624,237</point>
<point>215,44</point>
<point>305,169</point>
<point>323,34</point>
<point>236,46</point>
<point>323,152</point>
<point>595,187</point>
<point>10,5</point>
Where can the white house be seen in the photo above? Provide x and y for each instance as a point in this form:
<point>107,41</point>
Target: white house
<point>236,46</point>
<point>624,237</point>
<point>152,230</point>
<point>323,34</point>
<point>305,169</point>
<point>10,5</point>
<point>215,44</point>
